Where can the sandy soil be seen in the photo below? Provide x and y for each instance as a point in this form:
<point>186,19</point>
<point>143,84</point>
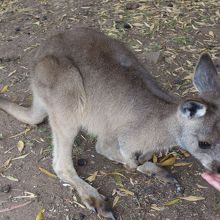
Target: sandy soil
<point>168,36</point>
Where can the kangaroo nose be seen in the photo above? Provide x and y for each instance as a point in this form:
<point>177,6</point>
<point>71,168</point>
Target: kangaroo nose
<point>216,166</point>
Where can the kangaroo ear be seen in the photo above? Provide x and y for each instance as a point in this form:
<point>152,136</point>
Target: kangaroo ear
<point>205,78</point>
<point>192,109</point>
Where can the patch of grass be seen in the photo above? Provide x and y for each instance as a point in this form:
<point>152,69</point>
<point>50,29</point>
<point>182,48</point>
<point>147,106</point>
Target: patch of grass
<point>154,47</point>
<point>183,40</point>
<point>29,144</point>
<point>50,137</point>
<point>217,207</point>
<point>42,129</point>
<point>78,142</point>
<point>171,23</point>
<point>125,205</point>
<point>91,137</point>
<point>116,33</point>
<point>50,148</point>
<point>204,18</point>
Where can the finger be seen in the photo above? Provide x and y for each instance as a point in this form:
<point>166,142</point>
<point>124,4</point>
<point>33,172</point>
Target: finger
<point>211,181</point>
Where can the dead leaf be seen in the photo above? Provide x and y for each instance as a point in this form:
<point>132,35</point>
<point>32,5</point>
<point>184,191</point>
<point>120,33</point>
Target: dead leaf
<point>211,34</point>
<point>40,214</point>
<point>115,201</point>
<point>79,204</point>
<point>201,187</point>
<point>116,173</point>
<point>7,163</point>
<point>31,47</point>
<point>20,157</point>
<point>131,181</point>
<point>37,23</point>
<point>20,146</point>
<point>46,172</point>
<point>172,202</point>
<point>155,207</point>
<point>185,153</point>
<point>168,162</point>
<point>195,28</point>
<point>4,89</point>
<point>12,178</point>
<point>2,67</point>
<point>192,198</point>
<point>164,158</point>
<point>11,73</point>
<point>27,130</point>
<point>188,77</point>
<point>126,191</point>
<point>92,177</point>
<point>137,25</point>
<point>26,195</point>
<point>23,132</point>
<point>155,159</point>
<point>181,164</point>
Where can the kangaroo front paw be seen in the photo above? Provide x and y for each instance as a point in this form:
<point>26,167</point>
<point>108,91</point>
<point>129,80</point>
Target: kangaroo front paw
<point>96,202</point>
<point>161,174</point>
<point>99,206</point>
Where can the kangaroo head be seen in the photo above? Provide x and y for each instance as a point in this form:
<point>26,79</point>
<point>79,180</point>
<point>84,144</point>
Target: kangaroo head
<point>199,121</point>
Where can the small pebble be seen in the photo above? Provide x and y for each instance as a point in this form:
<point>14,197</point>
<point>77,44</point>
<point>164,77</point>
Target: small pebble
<point>210,46</point>
<point>132,5</point>
<point>5,188</point>
<point>82,216</point>
<point>44,17</point>
<point>81,162</point>
<point>127,26</point>
<point>79,216</point>
<point>149,190</point>
<point>17,29</point>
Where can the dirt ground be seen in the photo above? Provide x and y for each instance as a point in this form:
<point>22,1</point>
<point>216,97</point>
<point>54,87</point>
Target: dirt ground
<point>168,36</point>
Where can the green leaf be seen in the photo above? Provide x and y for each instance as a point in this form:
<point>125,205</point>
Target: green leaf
<point>12,178</point>
<point>172,202</point>
<point>217,206</point>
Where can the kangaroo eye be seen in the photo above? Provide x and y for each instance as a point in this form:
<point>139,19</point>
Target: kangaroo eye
<point>204,145</point>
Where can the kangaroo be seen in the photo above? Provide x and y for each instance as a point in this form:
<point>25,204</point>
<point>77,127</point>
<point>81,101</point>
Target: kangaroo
<point>84,79</point>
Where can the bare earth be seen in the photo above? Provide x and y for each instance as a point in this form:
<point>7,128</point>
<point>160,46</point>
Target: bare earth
<point>168,36</point>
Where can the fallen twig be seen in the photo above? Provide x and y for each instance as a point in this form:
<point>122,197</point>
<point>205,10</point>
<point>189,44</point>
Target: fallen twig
<point>21,133</point>
<point>15,207</point>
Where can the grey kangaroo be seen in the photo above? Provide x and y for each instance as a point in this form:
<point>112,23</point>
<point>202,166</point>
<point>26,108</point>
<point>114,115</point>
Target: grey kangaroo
<point>84,79</point>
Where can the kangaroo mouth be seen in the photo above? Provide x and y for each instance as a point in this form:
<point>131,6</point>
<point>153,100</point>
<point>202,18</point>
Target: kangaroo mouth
<point>212,178</point>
